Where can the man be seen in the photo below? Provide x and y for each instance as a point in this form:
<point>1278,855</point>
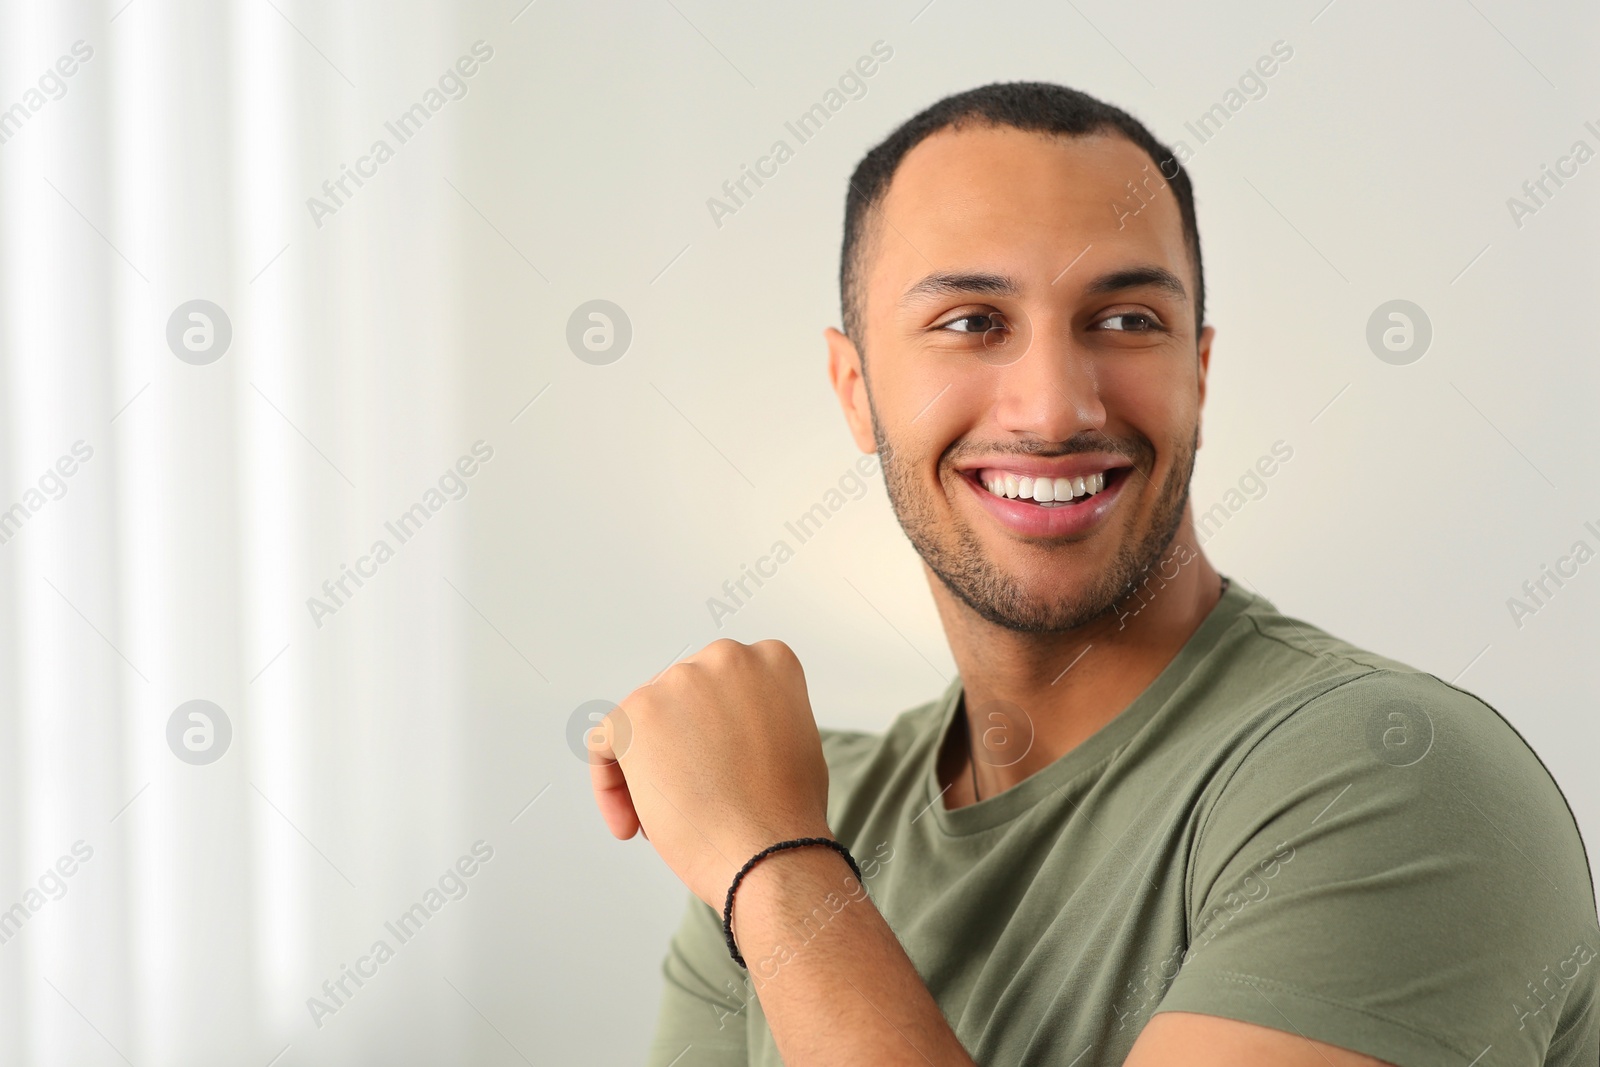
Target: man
<point>1154,821</point>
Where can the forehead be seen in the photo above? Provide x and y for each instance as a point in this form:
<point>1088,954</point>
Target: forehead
<point>1025,204</point>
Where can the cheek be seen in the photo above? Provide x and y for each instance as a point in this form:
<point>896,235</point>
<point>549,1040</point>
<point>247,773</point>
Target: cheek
<point>927,409</point>
<point>1157,399</point>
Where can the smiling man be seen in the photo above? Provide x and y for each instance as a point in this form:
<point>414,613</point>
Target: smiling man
<point>1153,821</point>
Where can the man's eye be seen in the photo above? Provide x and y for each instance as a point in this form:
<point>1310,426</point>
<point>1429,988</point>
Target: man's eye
<point>981,323</point>
<point>1131,321</point>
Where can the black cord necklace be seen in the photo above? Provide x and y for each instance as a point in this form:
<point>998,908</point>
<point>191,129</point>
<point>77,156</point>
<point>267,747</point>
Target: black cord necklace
<point>972,761</point>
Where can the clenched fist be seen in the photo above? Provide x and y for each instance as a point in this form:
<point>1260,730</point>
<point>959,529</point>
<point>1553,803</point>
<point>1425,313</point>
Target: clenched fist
<point>716,759</point>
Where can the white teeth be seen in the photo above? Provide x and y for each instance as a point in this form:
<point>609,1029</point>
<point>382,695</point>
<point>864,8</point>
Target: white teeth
<point>1044,490</point>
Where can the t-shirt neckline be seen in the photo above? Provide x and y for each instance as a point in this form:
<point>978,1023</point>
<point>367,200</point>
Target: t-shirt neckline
<point>1099,747</point>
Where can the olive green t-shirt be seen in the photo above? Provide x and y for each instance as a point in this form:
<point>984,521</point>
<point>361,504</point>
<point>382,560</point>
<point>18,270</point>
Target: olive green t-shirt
<point>1282,829</point>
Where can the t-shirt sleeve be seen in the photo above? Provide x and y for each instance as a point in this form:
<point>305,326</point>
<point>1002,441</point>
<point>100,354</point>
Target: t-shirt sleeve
<point>704,997</point>
<point>1391,870</point>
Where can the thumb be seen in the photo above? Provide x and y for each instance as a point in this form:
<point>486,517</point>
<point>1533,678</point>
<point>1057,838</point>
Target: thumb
<point>612,797</point>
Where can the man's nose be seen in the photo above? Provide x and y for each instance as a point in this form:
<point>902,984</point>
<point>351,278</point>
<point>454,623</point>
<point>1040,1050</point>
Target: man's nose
<point>1051,390</point>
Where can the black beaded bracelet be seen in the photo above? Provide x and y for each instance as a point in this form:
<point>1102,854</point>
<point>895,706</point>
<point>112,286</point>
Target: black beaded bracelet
<point>799,842</point>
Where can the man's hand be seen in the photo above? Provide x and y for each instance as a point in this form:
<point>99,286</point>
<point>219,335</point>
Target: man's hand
<point>716,759</point>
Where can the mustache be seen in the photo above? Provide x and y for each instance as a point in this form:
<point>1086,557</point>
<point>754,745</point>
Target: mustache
<point>1137,451</point>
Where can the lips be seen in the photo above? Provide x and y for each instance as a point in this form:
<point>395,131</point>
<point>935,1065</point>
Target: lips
<point>1022,495</point>
<point>1043,489</point>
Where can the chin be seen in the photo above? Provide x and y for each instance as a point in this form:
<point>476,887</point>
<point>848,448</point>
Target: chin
<point>1037,606</point>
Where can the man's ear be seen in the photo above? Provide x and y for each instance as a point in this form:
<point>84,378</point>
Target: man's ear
<point>1204,348</point>
<point>850,385</point>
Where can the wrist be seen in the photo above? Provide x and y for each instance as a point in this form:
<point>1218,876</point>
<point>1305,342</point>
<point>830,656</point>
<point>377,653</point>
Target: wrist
<point>787,899</point>
<point>747,841</point>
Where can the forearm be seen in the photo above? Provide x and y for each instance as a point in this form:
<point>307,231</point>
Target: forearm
<point>834,983</point>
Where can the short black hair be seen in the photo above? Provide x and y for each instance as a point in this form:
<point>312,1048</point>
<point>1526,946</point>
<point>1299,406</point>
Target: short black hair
<point>1036,107</point>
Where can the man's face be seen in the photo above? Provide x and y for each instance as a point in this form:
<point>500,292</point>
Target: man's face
<point>1029,329</point>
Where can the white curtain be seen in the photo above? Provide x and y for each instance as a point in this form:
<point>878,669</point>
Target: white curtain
<point>172,564</point>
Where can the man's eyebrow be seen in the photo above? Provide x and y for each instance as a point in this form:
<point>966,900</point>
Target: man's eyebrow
<point>983,283</point>
<point>947,283</point>
<point>1137,277</point>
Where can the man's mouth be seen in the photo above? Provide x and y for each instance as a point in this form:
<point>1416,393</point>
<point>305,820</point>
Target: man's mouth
<point>1043,491</point>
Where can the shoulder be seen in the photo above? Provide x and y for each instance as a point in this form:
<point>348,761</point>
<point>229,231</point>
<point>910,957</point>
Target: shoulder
<point>1289,647</point>
<point>1376,722</point>
<point>1393,773</point>
<point>1317,699</point>
<point>1386,855</point>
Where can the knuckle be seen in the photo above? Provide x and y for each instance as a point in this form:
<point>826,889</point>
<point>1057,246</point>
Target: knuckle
<point>722,650</point>
<point>777,653</point>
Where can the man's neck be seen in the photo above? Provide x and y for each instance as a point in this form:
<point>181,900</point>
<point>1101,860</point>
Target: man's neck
<point>1063,686</point>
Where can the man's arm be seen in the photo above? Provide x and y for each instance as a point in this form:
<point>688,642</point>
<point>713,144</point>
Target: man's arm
<point>719,758</point>
<point>1178,1037</point>
<point>834,983</point>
